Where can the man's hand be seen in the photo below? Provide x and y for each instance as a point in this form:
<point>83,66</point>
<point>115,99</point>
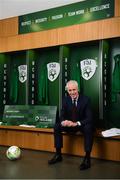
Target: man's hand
<point>68,123</point>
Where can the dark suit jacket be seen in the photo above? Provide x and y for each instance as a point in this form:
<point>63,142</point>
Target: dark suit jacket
<point>84,113</point>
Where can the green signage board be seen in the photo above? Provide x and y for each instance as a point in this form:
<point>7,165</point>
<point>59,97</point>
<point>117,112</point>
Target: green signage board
<point>29,115</point>
<point>76,13</point>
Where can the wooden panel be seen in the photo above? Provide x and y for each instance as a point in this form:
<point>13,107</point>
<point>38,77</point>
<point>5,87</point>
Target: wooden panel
<point>95,30</point>
<point>117,7</point>
<point>106,148</point>
<point>73,144</point>
<point>27,139</point>
<point>103,148</point>
<point>78,33</point>
<point>9,27</point>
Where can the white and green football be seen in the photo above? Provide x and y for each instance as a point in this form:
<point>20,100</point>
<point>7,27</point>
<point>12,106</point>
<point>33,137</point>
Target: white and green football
<point>13,153</point>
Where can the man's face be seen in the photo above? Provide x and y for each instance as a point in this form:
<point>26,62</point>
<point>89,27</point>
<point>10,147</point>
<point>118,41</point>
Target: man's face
<point>72,91</point>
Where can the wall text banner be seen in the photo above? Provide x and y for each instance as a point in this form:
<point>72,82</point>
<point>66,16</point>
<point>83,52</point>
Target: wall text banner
<point>76,13</point>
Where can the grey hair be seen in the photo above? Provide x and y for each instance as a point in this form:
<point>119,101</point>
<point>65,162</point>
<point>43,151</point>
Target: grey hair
<point>71,82</point>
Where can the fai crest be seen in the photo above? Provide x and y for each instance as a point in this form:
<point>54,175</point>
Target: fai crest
<point>22,73</point>
<point>53,70</point>
<point>88,68</point>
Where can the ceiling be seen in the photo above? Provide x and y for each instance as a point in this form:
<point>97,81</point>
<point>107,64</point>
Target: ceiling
<point>12,8</point>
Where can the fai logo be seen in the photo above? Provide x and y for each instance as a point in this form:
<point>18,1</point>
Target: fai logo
<point>53,70</point>
<point>88,68</point>
<point>22,73</point>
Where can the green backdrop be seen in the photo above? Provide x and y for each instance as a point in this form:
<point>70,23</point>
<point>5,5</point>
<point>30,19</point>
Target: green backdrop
<point>24,77</point>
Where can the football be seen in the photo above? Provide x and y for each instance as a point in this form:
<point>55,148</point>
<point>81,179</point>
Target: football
<point>13,153</point>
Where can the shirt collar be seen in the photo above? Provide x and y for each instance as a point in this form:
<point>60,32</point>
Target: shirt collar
<point>76,99</point>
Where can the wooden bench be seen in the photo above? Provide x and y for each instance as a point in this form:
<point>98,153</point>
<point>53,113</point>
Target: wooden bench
<point>42,139</point>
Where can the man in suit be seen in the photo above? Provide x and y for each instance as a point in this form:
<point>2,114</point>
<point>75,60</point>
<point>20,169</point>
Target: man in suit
<point>76,115</point>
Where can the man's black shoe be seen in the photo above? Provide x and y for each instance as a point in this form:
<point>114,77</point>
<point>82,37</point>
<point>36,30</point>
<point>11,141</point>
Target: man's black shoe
<point>85,164</point>
<point>56,158</point>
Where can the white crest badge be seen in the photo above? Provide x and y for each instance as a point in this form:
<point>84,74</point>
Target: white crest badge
<point>22,73</point>
<point>88,68</point>
<point>53,70</point>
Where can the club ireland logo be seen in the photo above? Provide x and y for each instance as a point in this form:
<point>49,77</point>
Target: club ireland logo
<point>53,69</point>
<point>88,68</point>
<point>22,73</point>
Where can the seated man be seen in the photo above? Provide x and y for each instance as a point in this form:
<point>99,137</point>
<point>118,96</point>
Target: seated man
<point>75,116</point>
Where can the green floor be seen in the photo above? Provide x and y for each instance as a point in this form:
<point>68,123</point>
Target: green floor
<point>33,165</point>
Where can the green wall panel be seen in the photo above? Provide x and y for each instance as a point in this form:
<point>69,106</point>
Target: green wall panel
<point>47,91</point>
<point>17,78</point>
<point>113,110</point>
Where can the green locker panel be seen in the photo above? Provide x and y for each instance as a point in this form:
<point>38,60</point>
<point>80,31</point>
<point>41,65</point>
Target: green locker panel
<point>104,74</point>
<point>32,56</point>
<point>47,73</point>
<point>64,59</point>
<point>3,82</point>
<point>113,110</point>
<point>17,78</point>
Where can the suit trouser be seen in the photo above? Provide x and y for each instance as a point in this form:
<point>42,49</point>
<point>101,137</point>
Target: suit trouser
<point>87,131</point>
